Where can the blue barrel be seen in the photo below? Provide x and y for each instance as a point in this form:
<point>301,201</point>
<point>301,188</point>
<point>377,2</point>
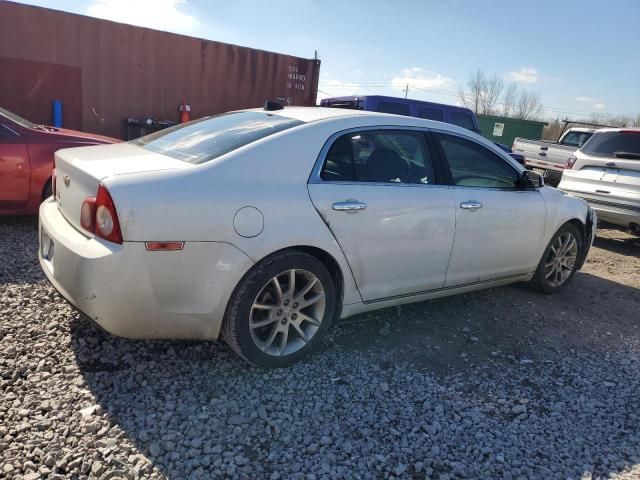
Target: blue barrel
<point>57,113</point>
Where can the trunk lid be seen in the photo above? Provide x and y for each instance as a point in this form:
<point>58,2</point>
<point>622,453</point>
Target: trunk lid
<point>80,170</point>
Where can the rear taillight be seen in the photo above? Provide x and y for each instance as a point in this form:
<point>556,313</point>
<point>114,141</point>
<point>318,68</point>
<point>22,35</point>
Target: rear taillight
<point>571,161</point>
<point>98,216</point>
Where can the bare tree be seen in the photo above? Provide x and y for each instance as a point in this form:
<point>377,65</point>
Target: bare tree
<point>491,94</point>
<point>486,94</point>
<point>482,93</point>
<point>472,98</point>
<point>529,106</point>
<point>509,99</point>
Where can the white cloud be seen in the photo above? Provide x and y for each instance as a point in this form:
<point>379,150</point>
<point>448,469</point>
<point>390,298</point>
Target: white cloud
<point>585,99</point>
<point>599,106</point>
<point>525,75</point>
<point>165,15</point>
<point>420,78</point>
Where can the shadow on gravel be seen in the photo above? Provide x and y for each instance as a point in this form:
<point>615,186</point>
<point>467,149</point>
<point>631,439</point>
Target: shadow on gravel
<point>19,257</point>
<point>623,244</point>
<point>556,376</point>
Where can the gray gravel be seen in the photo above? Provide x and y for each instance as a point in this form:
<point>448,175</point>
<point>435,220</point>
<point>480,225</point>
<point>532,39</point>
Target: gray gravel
<point>497,384</point>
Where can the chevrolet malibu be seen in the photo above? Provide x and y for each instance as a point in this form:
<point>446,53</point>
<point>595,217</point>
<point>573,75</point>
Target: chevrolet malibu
<point>264,226</point>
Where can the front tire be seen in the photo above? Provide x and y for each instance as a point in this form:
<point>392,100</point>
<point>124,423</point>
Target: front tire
<point>280,310</point>
<point>559,262</point>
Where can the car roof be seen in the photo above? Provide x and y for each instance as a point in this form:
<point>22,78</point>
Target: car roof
<point>618,129</point>
<point>316,114</point>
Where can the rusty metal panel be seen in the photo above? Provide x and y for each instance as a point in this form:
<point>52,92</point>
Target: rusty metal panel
<point>128,71</point>
<point>28,87</point>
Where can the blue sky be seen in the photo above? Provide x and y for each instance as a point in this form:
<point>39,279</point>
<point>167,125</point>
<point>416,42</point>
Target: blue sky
<point>581,56</point>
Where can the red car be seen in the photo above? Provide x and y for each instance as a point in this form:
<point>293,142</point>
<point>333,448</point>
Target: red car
<point>26,160</point>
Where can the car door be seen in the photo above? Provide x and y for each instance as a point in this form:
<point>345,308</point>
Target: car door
<point>15,172</point>
<point>379,194</point>
<point>499,225</point>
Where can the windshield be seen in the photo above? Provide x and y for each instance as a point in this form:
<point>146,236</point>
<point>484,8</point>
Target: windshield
<point>16,118</point>
<point>614,144</point>
<point>576,139</point>
<point>211,137</point>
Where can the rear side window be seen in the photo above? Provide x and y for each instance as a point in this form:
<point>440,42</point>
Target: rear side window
<point>431,113</point>
<point>382,156</point>
<point>212,137</point>
<point>624,144</point>
<point>462,119</point>
<point>576,139</point>
<point>395,108</point>
<point>473,165</point>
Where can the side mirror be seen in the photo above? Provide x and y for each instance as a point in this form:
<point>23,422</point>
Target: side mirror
<point>531,179</point>
<point>518,157</point>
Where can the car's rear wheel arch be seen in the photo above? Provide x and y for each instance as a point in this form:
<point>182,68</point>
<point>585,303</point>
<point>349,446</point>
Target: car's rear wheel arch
<point>47,190</point>
<point>328,261</point>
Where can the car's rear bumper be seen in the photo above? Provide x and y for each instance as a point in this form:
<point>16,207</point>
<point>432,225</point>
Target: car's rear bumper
<point>609,210</point>
<point>134,293</point>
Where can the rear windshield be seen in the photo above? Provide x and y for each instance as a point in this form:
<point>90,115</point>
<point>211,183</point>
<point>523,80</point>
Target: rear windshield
<point>614,144</point>
<point>211,137</point>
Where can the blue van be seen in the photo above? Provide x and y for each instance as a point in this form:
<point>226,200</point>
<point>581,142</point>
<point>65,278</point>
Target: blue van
<point>460,116</point>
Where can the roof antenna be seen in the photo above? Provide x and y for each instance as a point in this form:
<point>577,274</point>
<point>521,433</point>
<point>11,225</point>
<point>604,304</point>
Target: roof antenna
<point>270,105</point>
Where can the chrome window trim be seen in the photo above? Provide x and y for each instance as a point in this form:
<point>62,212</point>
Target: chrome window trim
<point>315,177</point>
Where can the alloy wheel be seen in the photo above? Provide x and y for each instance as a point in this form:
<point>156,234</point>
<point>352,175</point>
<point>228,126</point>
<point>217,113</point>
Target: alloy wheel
<point>561,259</point>
<point>287,312</point>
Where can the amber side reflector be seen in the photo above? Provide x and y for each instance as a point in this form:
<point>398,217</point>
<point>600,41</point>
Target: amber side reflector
<point>163,246</point>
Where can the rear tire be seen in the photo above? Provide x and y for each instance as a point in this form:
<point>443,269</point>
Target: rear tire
<point>47,191</point>
<point>559,262</point>
<point>271,324</point>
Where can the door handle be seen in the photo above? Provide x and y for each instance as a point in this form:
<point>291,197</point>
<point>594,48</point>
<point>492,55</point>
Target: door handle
<point>472,205</point>
<point>349,205</point>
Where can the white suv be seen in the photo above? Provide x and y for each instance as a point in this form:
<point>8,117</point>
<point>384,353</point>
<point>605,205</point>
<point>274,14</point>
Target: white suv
<point>606,173</point>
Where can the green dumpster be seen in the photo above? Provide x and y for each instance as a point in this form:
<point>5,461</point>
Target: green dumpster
<point>505,130</point>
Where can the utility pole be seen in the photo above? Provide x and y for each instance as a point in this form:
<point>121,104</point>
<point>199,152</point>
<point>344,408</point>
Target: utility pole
<point>406,91</point>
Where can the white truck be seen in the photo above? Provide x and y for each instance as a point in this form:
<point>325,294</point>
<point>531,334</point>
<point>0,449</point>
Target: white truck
<point>551,158</point>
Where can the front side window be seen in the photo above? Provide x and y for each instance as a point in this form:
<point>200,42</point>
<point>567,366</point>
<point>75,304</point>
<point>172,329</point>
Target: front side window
<point>473,165</point>
<point>462,119</point>
<point>211,137</point>
<point>381,156</point>
<point>622,144</point>
<point>392,107</point>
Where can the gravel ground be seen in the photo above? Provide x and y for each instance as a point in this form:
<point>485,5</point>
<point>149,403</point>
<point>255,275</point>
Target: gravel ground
<point>503,383</point>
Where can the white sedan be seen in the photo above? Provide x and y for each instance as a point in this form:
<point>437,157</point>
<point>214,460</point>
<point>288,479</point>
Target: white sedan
<point>266,225</point>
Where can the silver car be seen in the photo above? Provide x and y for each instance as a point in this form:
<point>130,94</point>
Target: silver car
<point>606,173</point>
<point>264,226</point>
